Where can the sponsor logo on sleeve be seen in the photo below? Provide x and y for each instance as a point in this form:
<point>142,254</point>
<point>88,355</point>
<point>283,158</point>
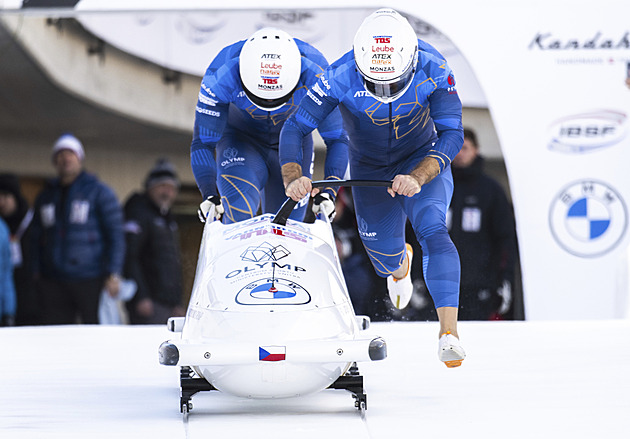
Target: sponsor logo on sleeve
<point>314,98</point>
<point>452,90</point>
<point>207,100</point>
<point>212,113</point>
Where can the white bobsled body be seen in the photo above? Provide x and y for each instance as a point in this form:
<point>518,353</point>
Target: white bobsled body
<point>270,315</point>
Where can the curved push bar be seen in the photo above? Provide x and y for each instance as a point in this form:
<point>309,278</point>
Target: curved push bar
<point>286,209</point>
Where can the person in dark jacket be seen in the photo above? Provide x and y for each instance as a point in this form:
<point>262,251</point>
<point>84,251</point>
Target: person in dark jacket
<point>15,211</point>
<point>78,240</point>
<point>153,257</point>
<point>481,225</point>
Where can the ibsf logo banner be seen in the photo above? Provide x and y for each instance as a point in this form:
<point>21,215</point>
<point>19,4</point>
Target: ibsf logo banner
<point>585,132</point>
<point>588,218</point>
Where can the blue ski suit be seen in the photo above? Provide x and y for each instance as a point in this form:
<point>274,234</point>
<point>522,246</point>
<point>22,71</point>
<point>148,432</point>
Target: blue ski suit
<point>246,171</point>
<point>7,286</point>
<point>387,140</point>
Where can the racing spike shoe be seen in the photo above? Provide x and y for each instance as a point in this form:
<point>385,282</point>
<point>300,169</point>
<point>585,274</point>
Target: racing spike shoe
<point>451,351</point>
<point>400,290</point>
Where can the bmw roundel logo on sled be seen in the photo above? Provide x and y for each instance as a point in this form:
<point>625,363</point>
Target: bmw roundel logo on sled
<point>588,218</point>
<point>274,291</point>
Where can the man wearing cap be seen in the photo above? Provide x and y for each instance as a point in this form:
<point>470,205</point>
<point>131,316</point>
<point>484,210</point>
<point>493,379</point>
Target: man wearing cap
<point>153,258</point>
<point>78,241</point>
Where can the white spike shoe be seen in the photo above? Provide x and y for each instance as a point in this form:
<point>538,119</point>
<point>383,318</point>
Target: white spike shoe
<point>400,290</point>
<point>451,351</point>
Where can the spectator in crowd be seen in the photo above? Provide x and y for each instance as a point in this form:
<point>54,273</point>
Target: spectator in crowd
<point>403,115</point>
<point>481,224</point>
<point>15,211</point>
<point>7,288</point>
<point>153,258</point>
<point>247,93</point>
<point>78,240</point>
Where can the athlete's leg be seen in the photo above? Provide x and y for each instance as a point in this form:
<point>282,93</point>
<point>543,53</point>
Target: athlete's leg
<point>381,221</point>
<point>440,260</point>
<point>241,173</point>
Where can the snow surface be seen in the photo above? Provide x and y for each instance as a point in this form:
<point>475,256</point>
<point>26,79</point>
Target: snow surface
<point>520,380</point>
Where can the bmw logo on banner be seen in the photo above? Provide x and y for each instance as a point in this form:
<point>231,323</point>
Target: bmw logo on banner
<point>588,218</point>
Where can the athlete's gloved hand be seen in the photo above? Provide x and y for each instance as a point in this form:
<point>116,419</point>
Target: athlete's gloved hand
<point>505,293</point>
<point>323,202</point>
<point>211,206</point>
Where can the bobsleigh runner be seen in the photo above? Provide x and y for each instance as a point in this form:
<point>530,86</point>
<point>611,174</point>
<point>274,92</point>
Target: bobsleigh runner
<point>269,314</point>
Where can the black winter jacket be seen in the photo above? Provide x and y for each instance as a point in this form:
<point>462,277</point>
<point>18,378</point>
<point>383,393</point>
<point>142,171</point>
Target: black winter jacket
<point>153,257</point>
<point>482,228</point>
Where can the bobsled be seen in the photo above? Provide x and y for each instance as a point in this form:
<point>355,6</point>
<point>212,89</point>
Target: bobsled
<point>269,314</point>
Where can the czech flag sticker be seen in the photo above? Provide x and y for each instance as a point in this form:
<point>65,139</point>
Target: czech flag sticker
<point>272,353</point>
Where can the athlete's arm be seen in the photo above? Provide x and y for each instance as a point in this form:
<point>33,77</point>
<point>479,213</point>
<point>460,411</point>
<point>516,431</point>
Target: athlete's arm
<point>445,109</point>
<point>211,115</point>
<point>336,139</point>
<point>313,109</point>
<point>209,126</point>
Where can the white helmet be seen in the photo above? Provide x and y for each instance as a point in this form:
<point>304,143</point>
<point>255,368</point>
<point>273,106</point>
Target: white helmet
<point>270,65</point>
<point>386,54</point>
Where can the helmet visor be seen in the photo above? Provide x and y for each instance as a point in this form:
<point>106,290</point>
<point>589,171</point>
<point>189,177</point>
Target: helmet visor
<point>267,104</point>
<point>388,90</point>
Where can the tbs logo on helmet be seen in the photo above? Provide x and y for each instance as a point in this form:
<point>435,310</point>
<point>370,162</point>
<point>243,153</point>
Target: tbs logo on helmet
<point>382,40</point>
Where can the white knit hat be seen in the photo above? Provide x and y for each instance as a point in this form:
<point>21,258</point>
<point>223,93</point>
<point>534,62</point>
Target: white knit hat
<point>68,141</point>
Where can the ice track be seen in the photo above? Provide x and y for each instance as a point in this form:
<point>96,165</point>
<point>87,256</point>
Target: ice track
<point>520,380</point>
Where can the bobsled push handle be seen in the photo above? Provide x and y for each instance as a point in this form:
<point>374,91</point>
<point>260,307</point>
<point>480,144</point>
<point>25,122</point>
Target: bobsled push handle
<point>286,209</point>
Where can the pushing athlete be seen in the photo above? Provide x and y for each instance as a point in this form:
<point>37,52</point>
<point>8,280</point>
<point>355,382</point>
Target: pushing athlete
<point>247,93</point>
<point>403,115</point>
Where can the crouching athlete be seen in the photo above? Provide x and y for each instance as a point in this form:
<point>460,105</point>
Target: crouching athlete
<point>400,106</point>
<point>247,93</point>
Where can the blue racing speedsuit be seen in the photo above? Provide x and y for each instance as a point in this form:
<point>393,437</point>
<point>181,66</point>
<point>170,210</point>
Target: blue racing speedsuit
<point>246,171</point>
<point>387,140</point>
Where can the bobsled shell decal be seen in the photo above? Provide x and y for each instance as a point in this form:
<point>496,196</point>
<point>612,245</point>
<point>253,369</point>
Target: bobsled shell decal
<point>273,292</point>
<point>264,252</point>
<point>231,228</point>
<point>269,229</point>
<point>272,353</point>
